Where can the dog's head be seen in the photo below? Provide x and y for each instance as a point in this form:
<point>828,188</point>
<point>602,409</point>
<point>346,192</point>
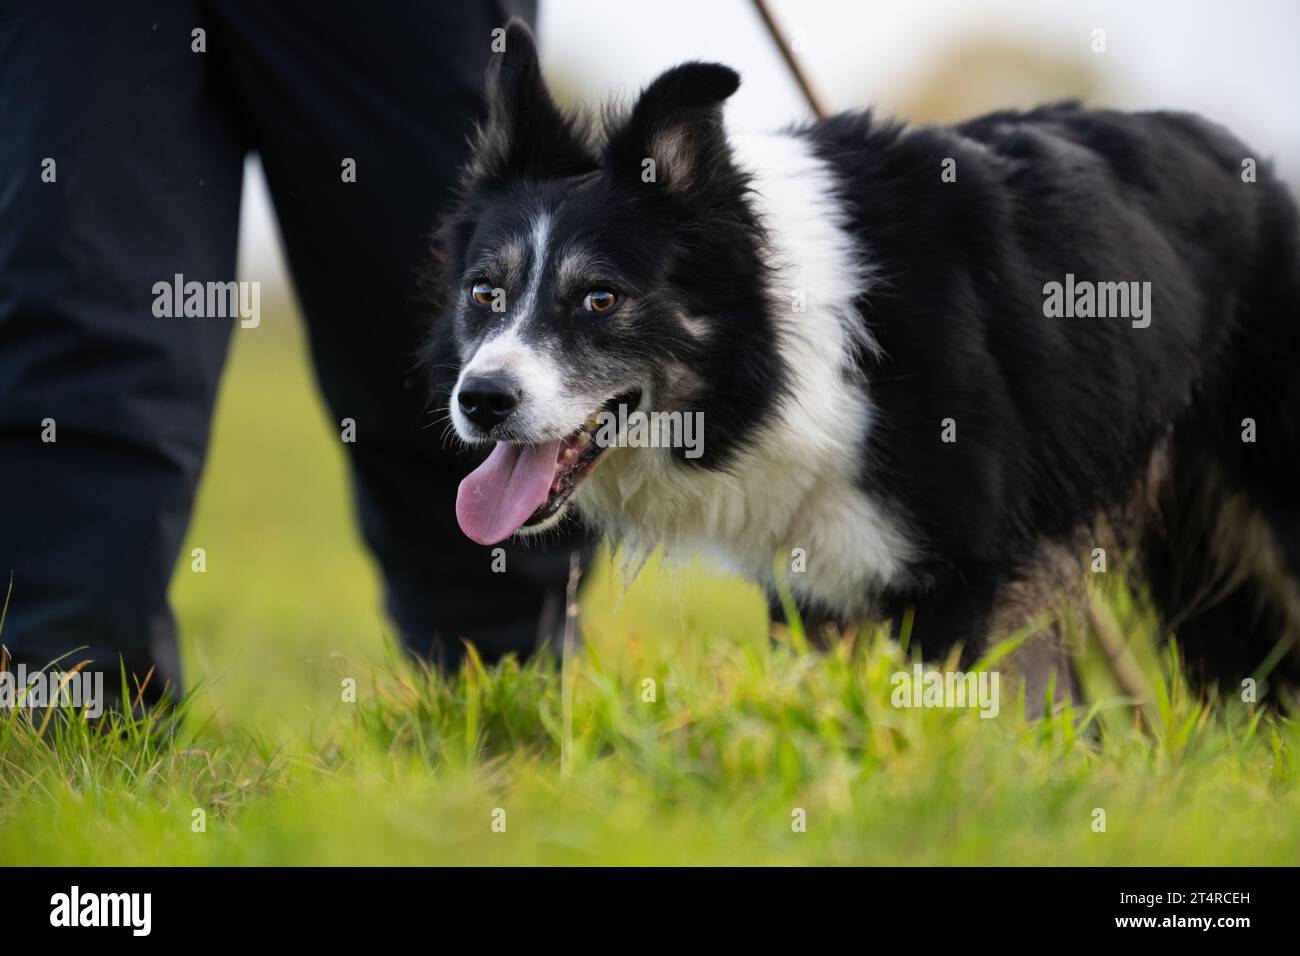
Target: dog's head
<point>586,275</point>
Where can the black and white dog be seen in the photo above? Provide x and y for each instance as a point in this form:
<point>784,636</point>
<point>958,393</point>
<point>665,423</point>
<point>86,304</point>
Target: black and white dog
<point>937,361</point>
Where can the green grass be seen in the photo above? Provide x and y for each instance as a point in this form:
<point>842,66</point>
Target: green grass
<point>743,729</point>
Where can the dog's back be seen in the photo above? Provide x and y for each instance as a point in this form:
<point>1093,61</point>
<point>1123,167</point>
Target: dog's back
<point>1186,405</point>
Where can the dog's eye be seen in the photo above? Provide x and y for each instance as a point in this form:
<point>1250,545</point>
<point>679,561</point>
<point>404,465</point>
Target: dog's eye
<point>481,292</point>
<point>600,300</point>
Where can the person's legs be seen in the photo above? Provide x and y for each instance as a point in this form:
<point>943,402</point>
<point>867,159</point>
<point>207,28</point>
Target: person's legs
<point>329,89</point>
<point>118,169</point>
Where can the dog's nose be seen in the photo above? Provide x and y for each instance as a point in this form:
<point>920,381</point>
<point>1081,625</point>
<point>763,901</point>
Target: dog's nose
<point>488,401</point>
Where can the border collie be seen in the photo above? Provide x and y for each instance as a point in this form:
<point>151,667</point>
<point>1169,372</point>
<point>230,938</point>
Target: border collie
<point>946,367</point>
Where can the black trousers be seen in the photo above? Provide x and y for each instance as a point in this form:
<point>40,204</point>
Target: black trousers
<point>148,139</point>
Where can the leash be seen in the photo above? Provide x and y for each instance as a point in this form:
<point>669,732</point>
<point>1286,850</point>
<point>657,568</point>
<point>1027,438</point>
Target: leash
<point>791,61</point>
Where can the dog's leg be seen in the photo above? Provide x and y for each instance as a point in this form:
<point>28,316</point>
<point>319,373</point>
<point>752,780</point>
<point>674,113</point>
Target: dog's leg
<point>956,615</point>
<point>1048,598</point>
<point>1223,561</point>
<point>1224,555</point>
<point>1045,594</point>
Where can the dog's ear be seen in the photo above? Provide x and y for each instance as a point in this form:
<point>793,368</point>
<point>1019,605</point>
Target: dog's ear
<point>525,133</point>
<point>674,135</point>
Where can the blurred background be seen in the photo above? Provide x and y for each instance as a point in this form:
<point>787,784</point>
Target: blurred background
<point>925,61</point>
<point>290,598</point>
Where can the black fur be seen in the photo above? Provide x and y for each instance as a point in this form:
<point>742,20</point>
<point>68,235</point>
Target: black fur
<point>693,247</point>
<point>1058,419</point>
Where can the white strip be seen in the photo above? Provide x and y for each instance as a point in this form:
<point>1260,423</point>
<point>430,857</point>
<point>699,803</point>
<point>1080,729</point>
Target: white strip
<point>541,236</point>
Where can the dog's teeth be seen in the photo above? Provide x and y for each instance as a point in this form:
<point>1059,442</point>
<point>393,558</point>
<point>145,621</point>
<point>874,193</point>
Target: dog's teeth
<point>583,439</point>
<point>568,455</point>
<point>557,485</point>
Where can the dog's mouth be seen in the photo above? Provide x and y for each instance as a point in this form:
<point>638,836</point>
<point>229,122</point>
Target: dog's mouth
<point>525,485</point>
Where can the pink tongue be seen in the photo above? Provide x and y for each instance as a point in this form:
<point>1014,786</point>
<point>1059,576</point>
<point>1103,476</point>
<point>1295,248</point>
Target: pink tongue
<point>497,497</point>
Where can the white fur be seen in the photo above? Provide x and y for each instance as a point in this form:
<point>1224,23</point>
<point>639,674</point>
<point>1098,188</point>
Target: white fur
<point>796,486</point>
<point>545,410</point>
<point>540,240</point>
<point>549,408</point>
